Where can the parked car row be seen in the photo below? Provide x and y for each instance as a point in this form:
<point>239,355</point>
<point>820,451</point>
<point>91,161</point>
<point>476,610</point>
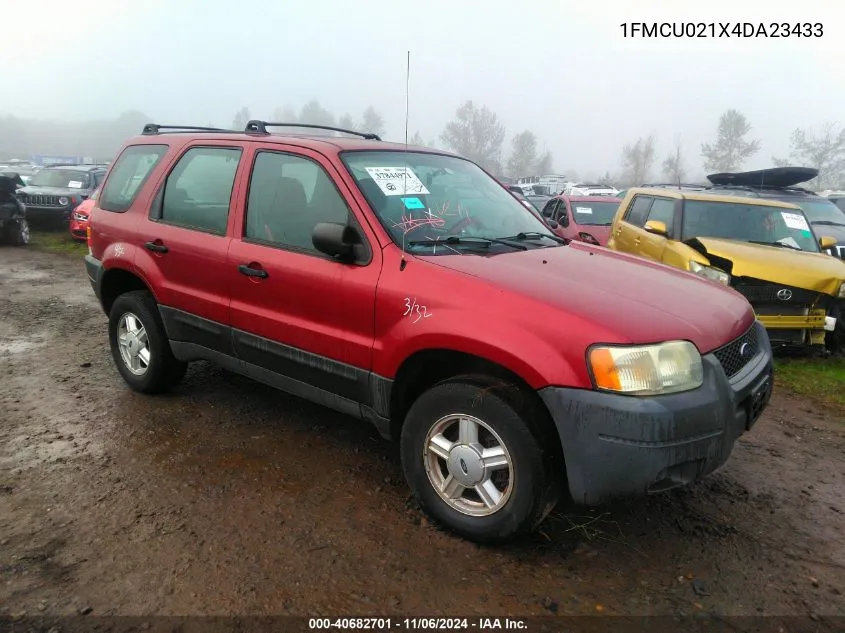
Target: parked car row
<point>411,290</point>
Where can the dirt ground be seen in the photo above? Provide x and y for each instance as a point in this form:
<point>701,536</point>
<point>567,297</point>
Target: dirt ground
<point>227,497</point>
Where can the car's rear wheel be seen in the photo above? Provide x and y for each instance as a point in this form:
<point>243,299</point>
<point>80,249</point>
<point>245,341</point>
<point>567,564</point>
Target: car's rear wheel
<point>139,344</point>
<point>17,232</point>
<point>474,461</point>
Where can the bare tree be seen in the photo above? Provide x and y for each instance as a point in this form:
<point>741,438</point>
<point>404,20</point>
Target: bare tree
<point>637,160</point>
<point>347,123</point>
<point>543,165</point>
<point>242,117</point>
<point>314,114</point>
<point>373,122</point>
<point>673,165</point>
<point>416,139</point>
<point>730,150</point>
<point>476,134</point>
<point>825,152</point>
<point>523,154</point>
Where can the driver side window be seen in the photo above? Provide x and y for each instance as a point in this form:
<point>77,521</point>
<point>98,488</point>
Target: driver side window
<point>562,214</point>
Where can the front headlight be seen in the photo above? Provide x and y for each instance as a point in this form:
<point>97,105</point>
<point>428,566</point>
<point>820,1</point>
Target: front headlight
<point>842,291</point>
<point>708,272</point>
<point>645,370</point>
<point>80,217</point>
<point>63,201</point>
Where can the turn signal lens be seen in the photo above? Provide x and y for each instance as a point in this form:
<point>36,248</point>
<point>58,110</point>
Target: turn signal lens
<point>647,369</point>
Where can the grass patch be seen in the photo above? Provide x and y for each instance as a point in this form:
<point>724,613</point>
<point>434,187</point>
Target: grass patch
<point>57,242</point>
<point>821,379</point>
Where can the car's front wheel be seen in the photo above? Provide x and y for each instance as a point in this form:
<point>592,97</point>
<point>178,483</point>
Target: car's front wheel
<point>139,344</point>
<point>474,461</point>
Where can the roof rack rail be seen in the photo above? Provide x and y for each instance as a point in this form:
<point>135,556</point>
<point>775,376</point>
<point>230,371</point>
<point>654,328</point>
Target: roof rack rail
<point>260,127</point>
<point>154,128</point>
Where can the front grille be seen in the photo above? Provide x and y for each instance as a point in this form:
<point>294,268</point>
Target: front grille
<point>737,354</point>
<point>42,200</point>
<point>767,293</point>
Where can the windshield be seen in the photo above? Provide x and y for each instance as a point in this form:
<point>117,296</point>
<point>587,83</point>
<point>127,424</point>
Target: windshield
<point>428,197</point>
<point>594,212</point>
<point>61,178</point>
<point>748,223</point>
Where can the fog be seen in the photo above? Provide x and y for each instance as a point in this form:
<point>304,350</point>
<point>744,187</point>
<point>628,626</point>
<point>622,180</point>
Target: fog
<point>560,69</point>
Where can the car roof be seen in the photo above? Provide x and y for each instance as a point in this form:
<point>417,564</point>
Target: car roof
<point>705,196</point>
<point>590,198</point>
<point>78,167</point>
<point>324,143</point>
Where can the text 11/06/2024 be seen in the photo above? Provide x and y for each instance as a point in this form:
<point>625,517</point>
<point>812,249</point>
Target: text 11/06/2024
<point>722,29</point>
<point>417,624</point>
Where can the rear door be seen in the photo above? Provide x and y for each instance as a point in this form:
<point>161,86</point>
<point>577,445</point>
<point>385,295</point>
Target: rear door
<point>628,232</point>
<point>305,317</point>
<point>185,241</point>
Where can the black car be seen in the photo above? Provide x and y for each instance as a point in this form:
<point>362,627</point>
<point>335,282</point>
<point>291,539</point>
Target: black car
<point>54,192</point>
<point>13,226</point>
<point>778,183</point>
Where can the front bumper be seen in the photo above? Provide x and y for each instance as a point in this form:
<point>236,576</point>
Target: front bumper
<point>79,229</point>
<point>813,325</point>
<point>94,268</point>
<point>47,215</point>
<point>624,446</point>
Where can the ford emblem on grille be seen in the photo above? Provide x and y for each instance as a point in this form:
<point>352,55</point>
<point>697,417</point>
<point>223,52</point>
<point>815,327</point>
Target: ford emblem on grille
<point>784,294</point>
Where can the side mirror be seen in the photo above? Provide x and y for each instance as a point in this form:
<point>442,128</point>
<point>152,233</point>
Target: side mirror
<point>552,224</point>
<point>826,242</point>
<point>336,240</point>
<point>657,227</point>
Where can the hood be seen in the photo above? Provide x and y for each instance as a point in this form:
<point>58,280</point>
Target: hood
<point>53,191</point>
<point>813,271</point>
<point>635,300</point>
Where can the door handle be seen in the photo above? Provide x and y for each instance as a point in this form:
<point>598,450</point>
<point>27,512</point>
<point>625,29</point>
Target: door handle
<point>253,272</point>
<point>156,246</point>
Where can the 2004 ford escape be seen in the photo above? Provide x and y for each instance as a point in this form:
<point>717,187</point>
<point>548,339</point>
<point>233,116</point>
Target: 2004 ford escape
<point>407,287</point>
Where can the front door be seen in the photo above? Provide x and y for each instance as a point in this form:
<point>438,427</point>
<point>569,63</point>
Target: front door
<point>297,312</point>
<point>628,232</point>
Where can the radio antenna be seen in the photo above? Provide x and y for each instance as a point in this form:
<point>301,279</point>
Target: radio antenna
<point>404,263</point>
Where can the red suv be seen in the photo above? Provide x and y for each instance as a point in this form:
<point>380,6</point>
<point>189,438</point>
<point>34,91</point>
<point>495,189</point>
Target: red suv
<point>406,287</point>
<point>582,218</point>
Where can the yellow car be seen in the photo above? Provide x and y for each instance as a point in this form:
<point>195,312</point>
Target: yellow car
<point>766,250</point>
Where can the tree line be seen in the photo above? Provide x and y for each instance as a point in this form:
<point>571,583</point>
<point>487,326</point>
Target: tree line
<point>475,132</point>
<point>729,151</point>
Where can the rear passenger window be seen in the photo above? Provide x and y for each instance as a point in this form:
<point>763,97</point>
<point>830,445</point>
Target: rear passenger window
<point>288,196</point>
<point>198,191</point>
<point>663,210</point>
<point>638,212</point>
<point>131,170</point>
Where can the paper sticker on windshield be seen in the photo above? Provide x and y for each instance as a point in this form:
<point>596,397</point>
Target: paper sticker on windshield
<point>74,184</point>
<point>396,181</point>
<point>413,203</point>
<point>583,210</point>
<point>795,221</point>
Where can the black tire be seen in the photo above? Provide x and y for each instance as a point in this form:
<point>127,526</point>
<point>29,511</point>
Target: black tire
<point>514,417</point>
<point>835,341</point>
<point>164,371</point>
<point>16,232</point>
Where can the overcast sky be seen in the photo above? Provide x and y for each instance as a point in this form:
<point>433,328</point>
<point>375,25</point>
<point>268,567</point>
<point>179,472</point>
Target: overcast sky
<point>559,68</point>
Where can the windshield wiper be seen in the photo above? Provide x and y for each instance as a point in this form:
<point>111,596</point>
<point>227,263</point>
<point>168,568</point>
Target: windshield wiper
<point>828,223</point>
<point>535,235</point>
<point>457,239</point>
<point>778,244</point>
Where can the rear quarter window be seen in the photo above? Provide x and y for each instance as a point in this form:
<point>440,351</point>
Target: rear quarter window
<point>128,175</point>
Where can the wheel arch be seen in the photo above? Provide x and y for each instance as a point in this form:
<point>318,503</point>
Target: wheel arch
<point>117,281</point>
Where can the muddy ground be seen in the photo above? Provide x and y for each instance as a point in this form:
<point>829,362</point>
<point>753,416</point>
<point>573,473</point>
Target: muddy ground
<point>227,497</point>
